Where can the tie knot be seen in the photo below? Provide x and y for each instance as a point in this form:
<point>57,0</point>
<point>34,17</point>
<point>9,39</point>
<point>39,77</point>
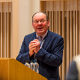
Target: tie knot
<point>40,38</point>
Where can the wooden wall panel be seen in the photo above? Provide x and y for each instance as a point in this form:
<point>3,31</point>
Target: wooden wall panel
<point>71,35</point>
<point>79,32</point>
<point>5,25</point>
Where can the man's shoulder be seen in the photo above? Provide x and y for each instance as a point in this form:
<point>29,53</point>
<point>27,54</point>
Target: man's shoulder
<point>53,34</point>
<point>30,35</point>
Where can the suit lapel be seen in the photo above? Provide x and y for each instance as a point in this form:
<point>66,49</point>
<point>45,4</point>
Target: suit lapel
<point>33,36</point>
<point>47,40</point>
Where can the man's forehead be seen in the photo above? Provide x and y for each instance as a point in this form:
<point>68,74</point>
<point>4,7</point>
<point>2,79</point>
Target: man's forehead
<point>39,15</point>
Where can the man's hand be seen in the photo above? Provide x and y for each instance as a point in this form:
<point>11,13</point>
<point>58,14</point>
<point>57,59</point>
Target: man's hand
<point>37,48</point>
<point>34,47</point>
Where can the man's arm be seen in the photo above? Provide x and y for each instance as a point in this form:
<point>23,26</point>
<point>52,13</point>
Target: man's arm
<point>24,53</point>
<point>27,50</point>
<point>54,57</point>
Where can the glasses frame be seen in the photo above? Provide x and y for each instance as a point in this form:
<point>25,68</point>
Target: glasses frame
<point>37,21</point>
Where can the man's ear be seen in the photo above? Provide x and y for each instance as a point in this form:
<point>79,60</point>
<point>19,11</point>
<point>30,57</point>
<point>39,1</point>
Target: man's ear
<point>32,24</point>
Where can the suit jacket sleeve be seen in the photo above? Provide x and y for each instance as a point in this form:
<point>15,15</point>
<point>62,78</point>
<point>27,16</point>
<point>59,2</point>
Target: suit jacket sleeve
<point>52,54</point>
<point>24,53</point>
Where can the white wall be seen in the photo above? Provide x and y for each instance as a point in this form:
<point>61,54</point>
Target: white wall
<point>36,6</point>
<point>26,9</point>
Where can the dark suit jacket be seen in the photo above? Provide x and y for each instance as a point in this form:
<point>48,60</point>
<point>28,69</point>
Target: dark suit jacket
<point>49,56</point>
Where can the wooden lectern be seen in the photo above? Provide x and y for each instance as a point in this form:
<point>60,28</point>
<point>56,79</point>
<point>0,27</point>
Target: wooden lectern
<point>11,69</point>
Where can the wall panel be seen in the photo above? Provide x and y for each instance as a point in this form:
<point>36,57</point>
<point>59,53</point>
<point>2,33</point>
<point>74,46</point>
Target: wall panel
<point>5,21</point>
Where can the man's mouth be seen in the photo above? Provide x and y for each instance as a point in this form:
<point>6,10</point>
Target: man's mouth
<point>39,28</point>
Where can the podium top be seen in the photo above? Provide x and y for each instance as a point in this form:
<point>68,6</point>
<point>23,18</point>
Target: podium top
<point>11,69</point>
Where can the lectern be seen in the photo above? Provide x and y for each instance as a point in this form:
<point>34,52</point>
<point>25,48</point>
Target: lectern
<point>11,69</point>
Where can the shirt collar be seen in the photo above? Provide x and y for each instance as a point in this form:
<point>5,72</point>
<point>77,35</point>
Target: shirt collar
<point>43,36</point>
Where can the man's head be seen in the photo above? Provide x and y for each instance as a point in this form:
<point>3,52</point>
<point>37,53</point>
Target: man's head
<point>40,23</point>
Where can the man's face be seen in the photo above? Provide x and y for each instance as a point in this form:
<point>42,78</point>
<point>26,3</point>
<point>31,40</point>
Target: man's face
<point>40,24</point>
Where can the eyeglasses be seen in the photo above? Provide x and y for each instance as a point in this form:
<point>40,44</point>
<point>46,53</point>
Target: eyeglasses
<point>41,21</point>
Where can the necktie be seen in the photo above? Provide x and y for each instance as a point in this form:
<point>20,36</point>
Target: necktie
<point>40,39</point>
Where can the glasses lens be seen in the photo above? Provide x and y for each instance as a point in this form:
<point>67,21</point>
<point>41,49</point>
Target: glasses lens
<point>41,21</point>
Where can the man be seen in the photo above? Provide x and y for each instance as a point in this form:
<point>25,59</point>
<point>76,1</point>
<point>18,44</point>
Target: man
<point>47,52</point>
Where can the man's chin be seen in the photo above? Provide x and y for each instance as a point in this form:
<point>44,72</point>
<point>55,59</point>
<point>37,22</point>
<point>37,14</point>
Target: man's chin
<point>40,33</point>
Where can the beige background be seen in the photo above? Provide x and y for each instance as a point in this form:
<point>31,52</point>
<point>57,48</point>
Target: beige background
<point>22,22</point>
<point>26,9</point>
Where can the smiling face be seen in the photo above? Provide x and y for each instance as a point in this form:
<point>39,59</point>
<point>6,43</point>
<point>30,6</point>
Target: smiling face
<point>40,23</point>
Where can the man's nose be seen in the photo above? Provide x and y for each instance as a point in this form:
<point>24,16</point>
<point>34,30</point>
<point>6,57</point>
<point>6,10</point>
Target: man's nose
<point>39,22</point>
